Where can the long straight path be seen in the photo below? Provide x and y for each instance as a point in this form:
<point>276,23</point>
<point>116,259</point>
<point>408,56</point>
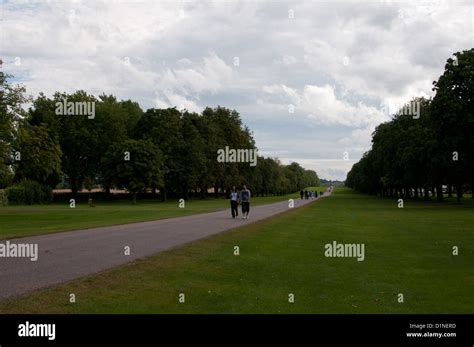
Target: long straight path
<point>68,255</point>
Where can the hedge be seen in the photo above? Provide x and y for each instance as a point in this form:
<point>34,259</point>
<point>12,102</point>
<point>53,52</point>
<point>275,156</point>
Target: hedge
<point>28,192</point>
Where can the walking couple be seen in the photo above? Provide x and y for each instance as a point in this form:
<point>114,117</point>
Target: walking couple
<point>242,197</point>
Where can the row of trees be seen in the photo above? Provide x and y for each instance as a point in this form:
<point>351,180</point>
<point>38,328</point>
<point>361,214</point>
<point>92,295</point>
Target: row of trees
<point>430,152</point>
<point>166,150</point>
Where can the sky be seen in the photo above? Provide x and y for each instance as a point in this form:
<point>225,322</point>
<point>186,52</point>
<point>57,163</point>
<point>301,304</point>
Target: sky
<point>311,79</point>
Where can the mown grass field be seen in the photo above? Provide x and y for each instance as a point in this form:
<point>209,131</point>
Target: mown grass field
<point>407,251</point>
<point>20,221</point>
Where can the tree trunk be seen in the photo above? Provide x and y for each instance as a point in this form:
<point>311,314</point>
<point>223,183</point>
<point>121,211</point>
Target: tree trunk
<point>439,192</point>
<point>426,193</point>
<point>185,192</point>
<point>164,194</point>
<point>450,191</point>
<point>74,187</point>
<point>459,192</point>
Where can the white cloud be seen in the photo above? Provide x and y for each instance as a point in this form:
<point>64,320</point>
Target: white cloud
<point>169,99</point>
<point>320,104</point>
<point>213,75</point>
<point>336,62</point>
<point>325,108</point>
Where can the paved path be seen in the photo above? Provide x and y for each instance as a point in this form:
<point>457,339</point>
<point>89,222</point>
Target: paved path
<point>69,255</point>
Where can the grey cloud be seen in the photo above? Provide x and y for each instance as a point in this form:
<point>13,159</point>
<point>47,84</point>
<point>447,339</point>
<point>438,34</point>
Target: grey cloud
<point>182,52</point>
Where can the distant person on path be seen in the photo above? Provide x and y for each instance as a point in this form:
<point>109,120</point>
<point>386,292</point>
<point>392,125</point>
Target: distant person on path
<point>234,204</point>
<point>245,200</point>
<point>306,194</point>
<point>301,194</point>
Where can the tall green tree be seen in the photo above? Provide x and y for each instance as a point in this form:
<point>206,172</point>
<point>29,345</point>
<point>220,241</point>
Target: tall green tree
<point>12,99</point>
<point>453,121</point>
<point>163,127</point>
<point>433,151</point>
<point>134,165</point>
<point>80,140</point>
<point>114,123</point>
<point>40,155</point>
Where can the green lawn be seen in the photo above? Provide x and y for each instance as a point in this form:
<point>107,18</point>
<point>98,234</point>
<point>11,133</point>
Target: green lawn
<point>19,221</point>
<point>407,251</point>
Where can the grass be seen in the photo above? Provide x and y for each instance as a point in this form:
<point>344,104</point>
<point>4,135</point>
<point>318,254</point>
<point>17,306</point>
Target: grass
<point>20,221</point>
<point>407,251</point>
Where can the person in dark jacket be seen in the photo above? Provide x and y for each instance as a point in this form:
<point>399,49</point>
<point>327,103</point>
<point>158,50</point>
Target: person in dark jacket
<point>234,202</point>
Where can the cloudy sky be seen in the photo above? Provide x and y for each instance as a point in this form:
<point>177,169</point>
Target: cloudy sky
<point>311,78</point>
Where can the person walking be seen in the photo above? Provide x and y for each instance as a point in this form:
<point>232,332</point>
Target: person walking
<point>301,194</point>
<point>234,204</point>
<point>245,200</point>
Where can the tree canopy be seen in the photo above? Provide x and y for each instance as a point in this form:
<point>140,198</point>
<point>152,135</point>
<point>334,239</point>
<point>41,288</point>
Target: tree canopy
<point>430,153</point>
<point>168,151</point>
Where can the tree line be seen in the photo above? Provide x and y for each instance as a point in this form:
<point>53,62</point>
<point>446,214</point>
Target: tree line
<point>430,152</point>
<point>163,151</point>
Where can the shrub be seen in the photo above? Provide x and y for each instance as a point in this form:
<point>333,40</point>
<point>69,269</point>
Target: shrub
<point>15,195</point>
<point>28,192</point>
<point>3,198</point>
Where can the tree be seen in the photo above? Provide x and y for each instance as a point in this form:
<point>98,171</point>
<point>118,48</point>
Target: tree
<point>432,151</point>
<point>170,150</point>
<point>453,121</point>
<point>192,159</point>
<point>114,123</point>
<point>135,165</point>
<point>79,139</point>
<point>163,127</point>
<point>294,172</point>
<point>12,97</point>
<point>224,128</point>
<point>40,156</point>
